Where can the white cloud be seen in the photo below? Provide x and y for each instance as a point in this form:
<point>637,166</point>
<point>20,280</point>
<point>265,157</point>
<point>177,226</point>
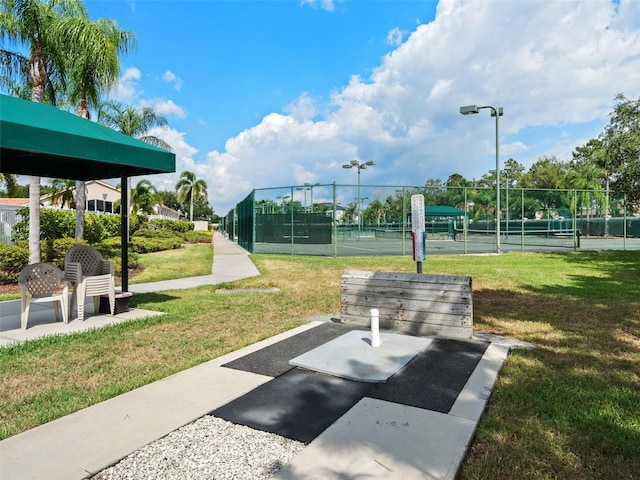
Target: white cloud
<point>170,77</point>
<point>165,107</point>
<point>127,86</point>
<point>328,5</point>
<point>302,109</point>
<point>184,152</point>
<point>395,36</point>
<point>549,64</point>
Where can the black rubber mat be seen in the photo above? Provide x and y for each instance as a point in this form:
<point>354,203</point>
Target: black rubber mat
<point>434,378</point>
<point>274,359</point>
<point>298,404</point>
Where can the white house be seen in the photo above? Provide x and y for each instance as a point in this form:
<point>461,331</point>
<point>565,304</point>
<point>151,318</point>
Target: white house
<point>101,197</point>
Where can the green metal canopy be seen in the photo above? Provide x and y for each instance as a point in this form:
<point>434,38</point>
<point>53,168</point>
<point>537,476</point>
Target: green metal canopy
<point>442,211</point>
<point>44,141</point>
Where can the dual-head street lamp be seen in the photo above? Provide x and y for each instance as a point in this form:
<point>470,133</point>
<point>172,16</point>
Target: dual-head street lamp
<point>495,112</point>
<point>360,166</point>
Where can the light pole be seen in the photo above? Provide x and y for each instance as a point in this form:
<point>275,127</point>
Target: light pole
<point>360,166</point>
<point>404,217</point>
<point>305,188</point>
<point>507,171</point>
<point>495,112</point>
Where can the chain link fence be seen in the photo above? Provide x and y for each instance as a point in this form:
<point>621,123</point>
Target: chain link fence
<point>359,220</point>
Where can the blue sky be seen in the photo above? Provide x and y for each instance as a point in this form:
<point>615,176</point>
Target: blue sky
<point>270,93</point>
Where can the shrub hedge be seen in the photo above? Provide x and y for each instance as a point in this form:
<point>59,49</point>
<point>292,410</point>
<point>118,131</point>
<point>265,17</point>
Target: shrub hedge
<point>57,228</point>
<point>58,223</point>
<point>12,260</point>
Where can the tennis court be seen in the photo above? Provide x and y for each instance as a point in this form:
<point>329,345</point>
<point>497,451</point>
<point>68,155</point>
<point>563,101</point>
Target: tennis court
<point>367,220</point>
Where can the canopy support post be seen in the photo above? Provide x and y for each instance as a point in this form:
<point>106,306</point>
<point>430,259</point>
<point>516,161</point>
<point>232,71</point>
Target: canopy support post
<point>124,232</point>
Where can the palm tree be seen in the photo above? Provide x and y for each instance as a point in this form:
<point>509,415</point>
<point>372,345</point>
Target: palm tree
<point>10,181</point>
<point>62,192</point>
<point>191,189</point>
<point>135,122</point>
<point>33,24</point>
<point>143,197</point>
<point>94,67</point>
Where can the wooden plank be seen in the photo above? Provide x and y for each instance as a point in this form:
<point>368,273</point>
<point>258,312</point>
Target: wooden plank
<point>402,285</point>
<point>417,304</point>
<point>392,291</point>
<point>408,277</point>
<point>404,315</point>
<point>417,328</point>
<point>451,308</point>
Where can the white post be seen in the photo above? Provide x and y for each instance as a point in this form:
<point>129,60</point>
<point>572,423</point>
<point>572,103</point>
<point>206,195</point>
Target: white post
<point>418,233</point>
<point>375,327</point>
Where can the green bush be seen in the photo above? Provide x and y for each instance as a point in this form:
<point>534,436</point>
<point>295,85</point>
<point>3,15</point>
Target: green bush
<point>110,249</point>
<point>198,236</point>
<point>94,228</point>
<point>12,260</point>
<point>54,224</point>
<point>111,225</point>
<point>54,251</point>
<point>180,226</point>
<point>57,223</point>
<point>147,245</point>
<point>136,222</point>
<point>149,233</point>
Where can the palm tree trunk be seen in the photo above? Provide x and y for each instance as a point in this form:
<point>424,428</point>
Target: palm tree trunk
<point>81,194</point>
<point>191,207</point>
<point>81,201</point>
<point>38,77</point>
<point>34,219</point>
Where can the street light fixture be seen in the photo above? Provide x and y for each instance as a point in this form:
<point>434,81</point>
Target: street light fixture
<point>305,188</point>
<point>360,166</point>
<point>495,112</point>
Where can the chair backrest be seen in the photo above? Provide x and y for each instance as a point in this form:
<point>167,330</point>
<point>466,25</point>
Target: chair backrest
<point>41,279</point>
<point>89,258</point>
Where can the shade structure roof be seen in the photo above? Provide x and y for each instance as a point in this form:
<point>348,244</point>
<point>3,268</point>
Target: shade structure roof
<point>442,211</point>
<point>42,140</point>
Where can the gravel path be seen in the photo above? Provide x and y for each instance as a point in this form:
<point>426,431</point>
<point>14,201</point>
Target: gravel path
<point>209,448</point>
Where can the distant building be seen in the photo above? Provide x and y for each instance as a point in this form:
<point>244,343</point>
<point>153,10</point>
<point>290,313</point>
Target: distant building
<point>101,198</point>
<point>9,216</point>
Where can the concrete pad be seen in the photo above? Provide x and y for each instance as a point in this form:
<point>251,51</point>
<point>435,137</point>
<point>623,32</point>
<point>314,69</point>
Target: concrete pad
<point>298,404</point>
<point>474,396</point>
<point>435,377</point>
<point>382,440</point>
<point>274,360</point>
<point>96,437</point>
<point>351,356</point>
<point>42,321</point>
<point>225,360</point>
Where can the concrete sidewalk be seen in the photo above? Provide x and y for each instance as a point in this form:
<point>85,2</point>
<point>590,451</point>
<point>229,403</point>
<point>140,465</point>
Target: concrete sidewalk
<point>230,263</point>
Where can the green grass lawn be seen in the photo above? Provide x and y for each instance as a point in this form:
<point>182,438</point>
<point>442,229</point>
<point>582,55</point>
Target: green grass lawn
<point>570,408</point>
<point>193,260</point>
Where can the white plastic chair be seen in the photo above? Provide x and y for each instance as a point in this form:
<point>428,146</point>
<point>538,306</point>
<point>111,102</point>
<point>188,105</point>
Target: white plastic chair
<point>91,276</point>
<point>42,283</point>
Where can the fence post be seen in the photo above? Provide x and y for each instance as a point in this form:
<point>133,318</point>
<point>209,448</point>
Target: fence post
<point>335,223</point>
